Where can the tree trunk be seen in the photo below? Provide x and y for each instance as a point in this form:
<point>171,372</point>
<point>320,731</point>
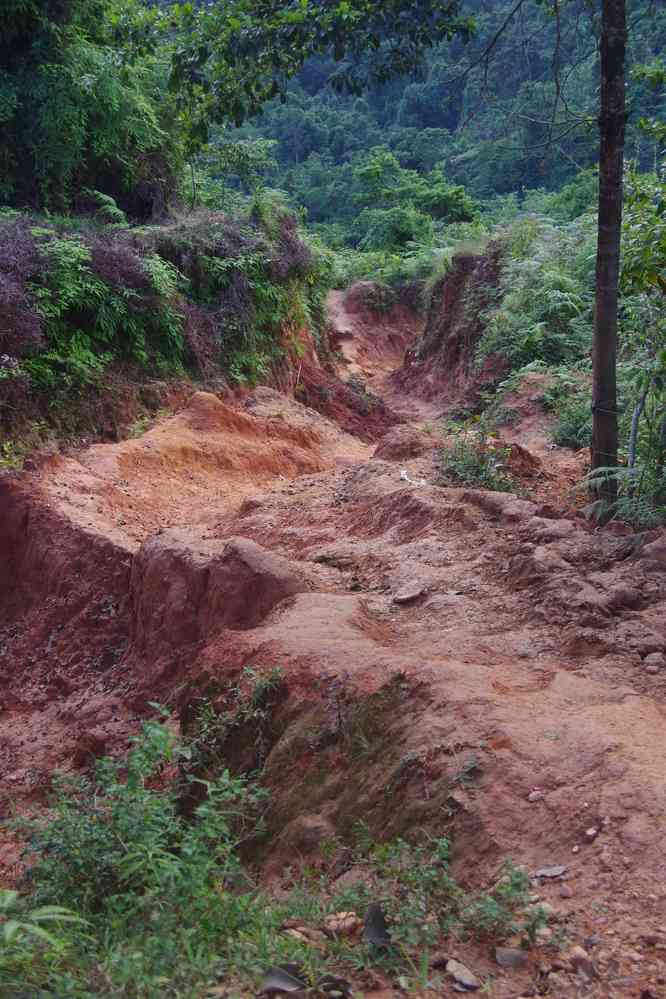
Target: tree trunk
<point>611,162</point>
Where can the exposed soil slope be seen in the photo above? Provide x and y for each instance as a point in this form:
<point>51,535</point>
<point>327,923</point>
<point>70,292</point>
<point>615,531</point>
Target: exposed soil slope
<point>455,661</point>
<point>442,364</point>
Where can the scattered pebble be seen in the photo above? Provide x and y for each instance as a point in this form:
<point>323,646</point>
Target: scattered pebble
<point>551,872</point>
<point>566,892</point>
<point>654,662</point>
<point>579,960</point>
<point>606,860</point>
<point>535,796</point>
<point>408,593</point>
<point>591,834</point>
<point>511,957</point>
<point>462,976</point>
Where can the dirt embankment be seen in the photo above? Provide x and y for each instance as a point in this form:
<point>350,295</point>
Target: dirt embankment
<point>456,662</point>
<point>441,366</point>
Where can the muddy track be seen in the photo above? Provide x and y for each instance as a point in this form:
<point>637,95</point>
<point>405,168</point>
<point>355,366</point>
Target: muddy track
<point>455,661</point>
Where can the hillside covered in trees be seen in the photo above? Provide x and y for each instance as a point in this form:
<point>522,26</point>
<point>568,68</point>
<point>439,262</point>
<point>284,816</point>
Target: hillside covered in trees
<point>509,112</point>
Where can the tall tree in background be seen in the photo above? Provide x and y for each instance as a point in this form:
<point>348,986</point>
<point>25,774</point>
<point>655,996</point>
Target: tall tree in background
<point>611,161</point>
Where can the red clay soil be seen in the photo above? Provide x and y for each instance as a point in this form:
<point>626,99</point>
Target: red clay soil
<point>443,368</point>
<point>452,628</point>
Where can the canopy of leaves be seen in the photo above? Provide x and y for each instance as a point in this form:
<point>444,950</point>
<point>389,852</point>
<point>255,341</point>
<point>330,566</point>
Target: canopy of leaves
<point>233,57</point>
<point>520,117</point>
<point>74,113</point>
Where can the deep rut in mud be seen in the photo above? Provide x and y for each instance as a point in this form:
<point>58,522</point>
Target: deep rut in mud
<point>423,632</point>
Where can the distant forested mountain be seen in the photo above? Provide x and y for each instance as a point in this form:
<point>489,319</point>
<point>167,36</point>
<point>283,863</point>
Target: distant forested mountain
<point>492,124</point>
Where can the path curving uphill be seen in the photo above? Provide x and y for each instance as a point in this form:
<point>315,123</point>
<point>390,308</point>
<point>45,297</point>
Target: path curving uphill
<point>455,660</point>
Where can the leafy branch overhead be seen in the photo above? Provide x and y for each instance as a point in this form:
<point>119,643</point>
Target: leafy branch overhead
<point>234,57</point>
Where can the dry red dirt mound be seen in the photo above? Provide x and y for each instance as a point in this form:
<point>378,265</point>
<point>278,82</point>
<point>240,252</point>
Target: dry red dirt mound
<point>405,442</point>
<point>458,662</point>
<point>351,405</point>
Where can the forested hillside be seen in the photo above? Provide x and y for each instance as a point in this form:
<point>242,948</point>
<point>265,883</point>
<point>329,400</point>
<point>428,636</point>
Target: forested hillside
<point>519,117</point>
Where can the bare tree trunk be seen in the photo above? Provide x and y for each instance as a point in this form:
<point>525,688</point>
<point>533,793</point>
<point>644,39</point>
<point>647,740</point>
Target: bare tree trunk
<point>611,161</point>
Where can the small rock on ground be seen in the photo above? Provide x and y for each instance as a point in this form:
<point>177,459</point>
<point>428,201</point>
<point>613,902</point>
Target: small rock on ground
<point>511,957</point>
<point>556,871</point>
<point>654,662</point>
<point>406,594</point>
<point>462,976</point>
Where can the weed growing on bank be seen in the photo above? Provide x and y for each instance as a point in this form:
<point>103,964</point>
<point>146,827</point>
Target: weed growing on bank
<point>133,895</point>
<point>475,458</point>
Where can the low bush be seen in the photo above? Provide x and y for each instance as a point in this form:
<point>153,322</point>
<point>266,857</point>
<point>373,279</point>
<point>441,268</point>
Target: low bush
<point>474,458</point>
<point>206,297</point>
<point>133,896</point>
<point>544,310</point>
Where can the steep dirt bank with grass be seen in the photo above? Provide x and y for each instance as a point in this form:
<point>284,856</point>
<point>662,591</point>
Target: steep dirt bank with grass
<point>442,367</point>
<point>102,328</point>
<point>453,661</point>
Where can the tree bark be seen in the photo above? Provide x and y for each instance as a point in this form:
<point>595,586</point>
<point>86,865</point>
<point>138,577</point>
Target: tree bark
<point>611,161</point>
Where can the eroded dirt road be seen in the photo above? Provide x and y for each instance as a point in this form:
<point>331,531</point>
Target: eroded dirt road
<point>512,654</point>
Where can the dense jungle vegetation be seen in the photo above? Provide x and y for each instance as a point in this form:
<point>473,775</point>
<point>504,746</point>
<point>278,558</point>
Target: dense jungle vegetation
<point>391,131</point>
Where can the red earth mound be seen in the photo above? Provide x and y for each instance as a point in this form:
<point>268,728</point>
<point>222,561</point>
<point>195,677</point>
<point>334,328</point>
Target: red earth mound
<point>454,661</point>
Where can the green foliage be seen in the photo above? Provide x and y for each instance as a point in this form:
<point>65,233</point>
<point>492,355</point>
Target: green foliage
<point>644,233</point>
<point>392,228</point>
<point>164,907</point>
<point>574,421</point>
<point>251,50</point>
<point>641,498</point>
<point>496,128</point>
<point>212,295</point>
<point>107,209</point>
<point>474,459</point>
<point>408,200</point>
<point>545,309</point>
<point>573,199</point>
<point>569,397</point>
<point>89,323</point>
<point>151,883</point>
<point>270,282</point>
<point>492,915</point>
<point>642,368</point>
<point>75,113</point>
<point>249,704</point>
<point>32,939</point>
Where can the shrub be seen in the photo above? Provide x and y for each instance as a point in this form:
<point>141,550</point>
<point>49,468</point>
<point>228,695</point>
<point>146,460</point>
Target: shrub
<point>152,884</point>
<point>476,460</point>
<point>20,323</point>
<point>641,498</point>
<point>89,322</point>
<point>212,296</point>
<point>165,908</point>
<point>569,398</point>
<point>574,421</point>
<point>545,308</point>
